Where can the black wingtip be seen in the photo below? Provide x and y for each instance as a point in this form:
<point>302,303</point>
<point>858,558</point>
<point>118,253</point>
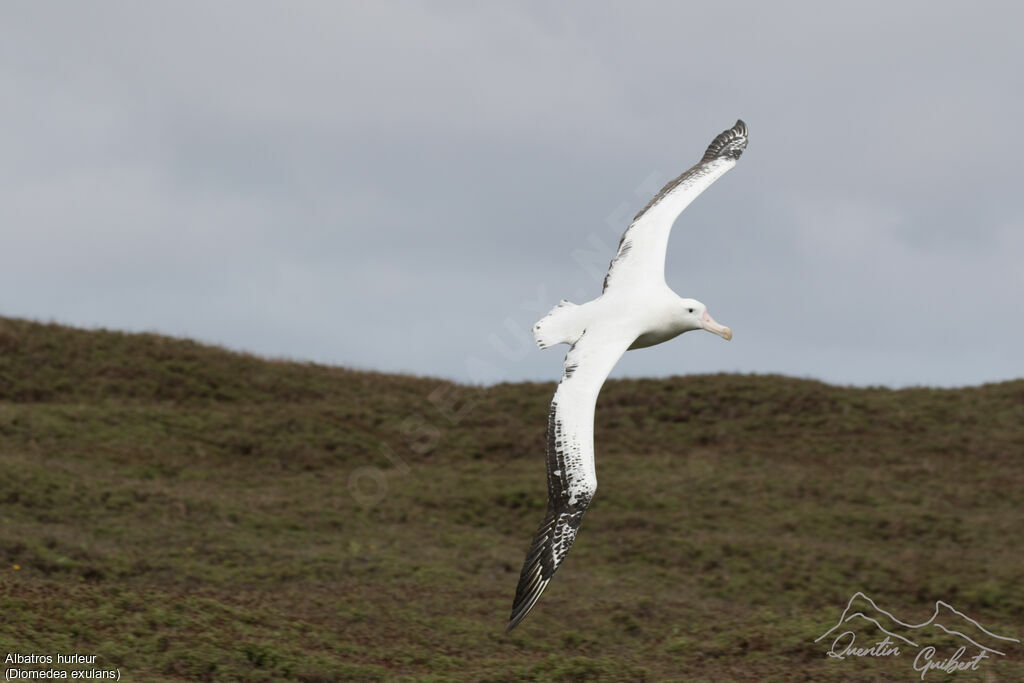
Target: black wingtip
<point>525,603</point>
<point>536,573</point>
<point>729,144</point>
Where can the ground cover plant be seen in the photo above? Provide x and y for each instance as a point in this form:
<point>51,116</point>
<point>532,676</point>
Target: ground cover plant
<point>188,513</point>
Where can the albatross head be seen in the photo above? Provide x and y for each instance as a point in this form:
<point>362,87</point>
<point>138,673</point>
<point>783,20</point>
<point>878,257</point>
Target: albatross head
<point>695,317</point>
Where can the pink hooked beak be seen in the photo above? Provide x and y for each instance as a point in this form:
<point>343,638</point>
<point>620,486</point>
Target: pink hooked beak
<point>710,325</point>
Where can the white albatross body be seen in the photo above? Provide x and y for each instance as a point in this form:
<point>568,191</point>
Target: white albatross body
<point>636,309</point>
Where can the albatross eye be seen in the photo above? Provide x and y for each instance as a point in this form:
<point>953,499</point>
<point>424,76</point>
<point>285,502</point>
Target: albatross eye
<point>690,310</point>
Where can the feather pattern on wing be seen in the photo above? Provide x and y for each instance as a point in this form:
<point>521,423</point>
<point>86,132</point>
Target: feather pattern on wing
<point>640,258</point>
<point>572,478</point>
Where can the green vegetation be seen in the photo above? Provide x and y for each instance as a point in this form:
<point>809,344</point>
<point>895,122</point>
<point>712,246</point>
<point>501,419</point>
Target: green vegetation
<point>187,513</point>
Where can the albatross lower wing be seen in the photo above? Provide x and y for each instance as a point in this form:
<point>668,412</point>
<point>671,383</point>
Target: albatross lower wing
<point>572,479</point>
<point>640,258</point>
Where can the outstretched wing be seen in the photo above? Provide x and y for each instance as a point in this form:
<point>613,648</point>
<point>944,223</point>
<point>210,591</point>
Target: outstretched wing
<point>641,255</point>
<point>572,479</point>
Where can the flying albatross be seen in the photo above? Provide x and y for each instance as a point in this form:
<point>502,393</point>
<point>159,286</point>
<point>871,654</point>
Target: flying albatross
<point>636,309</point>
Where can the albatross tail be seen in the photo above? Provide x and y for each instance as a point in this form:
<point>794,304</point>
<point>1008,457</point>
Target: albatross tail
<point>562,325</point>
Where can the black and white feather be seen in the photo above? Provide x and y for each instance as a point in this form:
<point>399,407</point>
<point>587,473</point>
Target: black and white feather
<point>572,477</point>
<point>641,254</point>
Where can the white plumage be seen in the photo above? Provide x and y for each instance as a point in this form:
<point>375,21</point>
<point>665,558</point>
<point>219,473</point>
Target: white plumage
<point>636,309</point>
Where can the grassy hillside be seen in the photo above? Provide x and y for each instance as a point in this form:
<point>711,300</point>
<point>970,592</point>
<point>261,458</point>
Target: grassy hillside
<point>186,513</point>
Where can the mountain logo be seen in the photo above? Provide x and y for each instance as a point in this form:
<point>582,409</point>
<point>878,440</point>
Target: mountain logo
<point>976,643</point>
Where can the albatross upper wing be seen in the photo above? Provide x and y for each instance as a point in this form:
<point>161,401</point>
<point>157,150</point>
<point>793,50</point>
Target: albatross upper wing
<point>572,479</point>
<point>641,254</point>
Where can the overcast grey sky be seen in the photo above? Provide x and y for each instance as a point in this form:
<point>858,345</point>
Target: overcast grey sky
<point>408,186</point>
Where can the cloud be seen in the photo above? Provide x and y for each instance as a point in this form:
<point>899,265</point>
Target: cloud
<point>391,185</point>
